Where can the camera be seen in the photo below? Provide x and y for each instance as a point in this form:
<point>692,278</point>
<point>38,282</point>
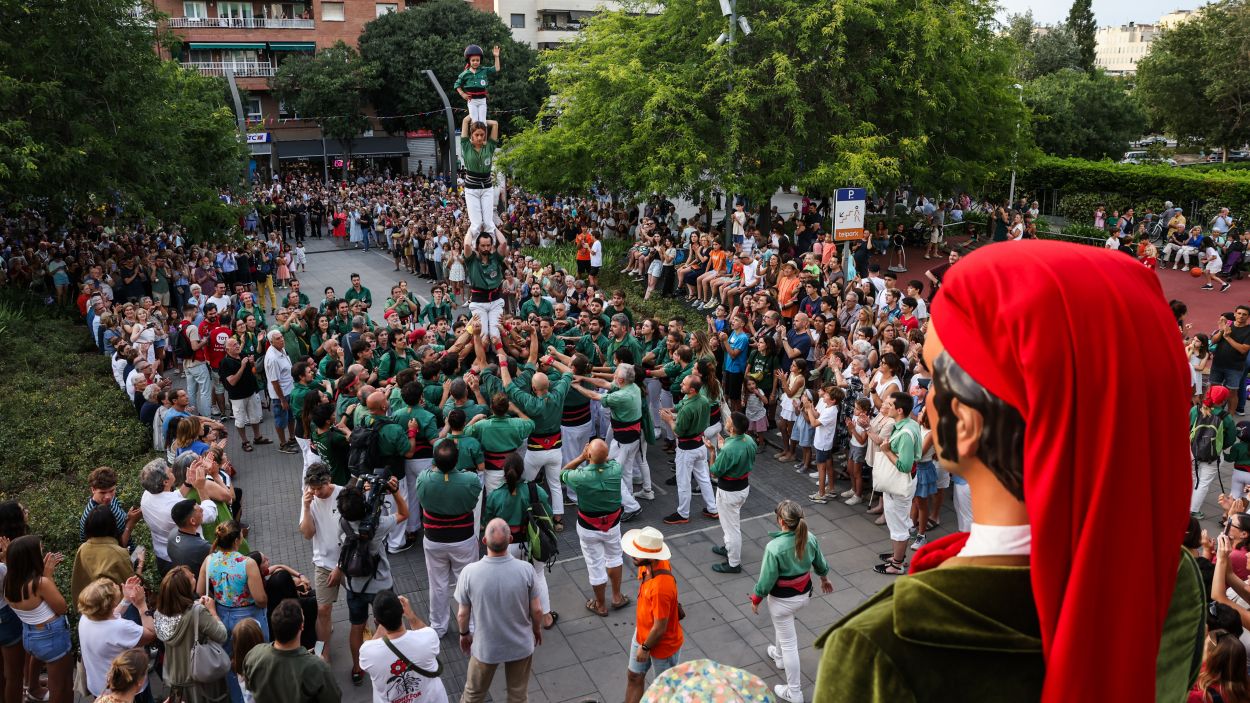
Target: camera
<point>375,488</point>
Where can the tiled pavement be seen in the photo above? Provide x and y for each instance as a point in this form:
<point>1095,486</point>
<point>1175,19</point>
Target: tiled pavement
<point>583,657</point>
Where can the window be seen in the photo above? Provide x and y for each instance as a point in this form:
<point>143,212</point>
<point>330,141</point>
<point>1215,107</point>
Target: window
<point>252,109</point>
<point>235,10</point>
<point>386,8</point>
<point>284,111</point>
<point>518,20</point>
<point>195,10</point>
<point>332,11</point>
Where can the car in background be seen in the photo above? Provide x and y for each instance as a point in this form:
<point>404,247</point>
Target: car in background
<point>1139,156</point>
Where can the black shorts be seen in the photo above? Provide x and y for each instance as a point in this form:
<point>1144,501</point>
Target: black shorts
<point>583,267</point>
<point>594,270</point>
<point>733,384</point>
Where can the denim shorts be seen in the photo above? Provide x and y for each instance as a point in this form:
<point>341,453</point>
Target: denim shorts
<point>281,418</point>
<point>358,607</point>
<point>823,455</point>
<point>10,627</point>
<point>1229,378</point>
<point>48,642</point>
<point>642,667</point>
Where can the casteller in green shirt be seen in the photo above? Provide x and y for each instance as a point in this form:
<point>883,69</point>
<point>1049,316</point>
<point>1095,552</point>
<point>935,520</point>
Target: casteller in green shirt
<point>484,275</point>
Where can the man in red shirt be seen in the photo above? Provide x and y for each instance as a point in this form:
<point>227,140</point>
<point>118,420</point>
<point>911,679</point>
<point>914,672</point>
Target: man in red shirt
<point>908,319</point>
<point>215,329</point>
<point>658,636</point>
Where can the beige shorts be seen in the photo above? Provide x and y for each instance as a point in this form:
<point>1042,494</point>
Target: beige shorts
<point>247,411</point>
<point>326,593</point>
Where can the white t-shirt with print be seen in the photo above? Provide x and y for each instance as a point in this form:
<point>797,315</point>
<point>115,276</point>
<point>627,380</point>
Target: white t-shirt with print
<point>393,681</point>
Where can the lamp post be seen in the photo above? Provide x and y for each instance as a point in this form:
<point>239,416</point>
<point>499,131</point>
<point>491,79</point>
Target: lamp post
<point>1011,196</point>
<point>729,8</point>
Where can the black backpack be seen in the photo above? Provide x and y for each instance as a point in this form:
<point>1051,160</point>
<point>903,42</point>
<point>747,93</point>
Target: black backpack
<point>357,558</point>
<point>182,345</point>
<point>538,531</point>
<point>364,453</point>
<point>1206,440</point>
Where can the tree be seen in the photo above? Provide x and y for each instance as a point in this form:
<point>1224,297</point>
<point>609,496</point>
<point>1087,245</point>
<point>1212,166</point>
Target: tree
<point>1043,50</point>
<point>91,118</point>
<point>1195,82</point>
<point>820,95</point>
<point>1089,115</point>
<point>402,45</point>
<point>1083,27</point>
<point>332,89</point>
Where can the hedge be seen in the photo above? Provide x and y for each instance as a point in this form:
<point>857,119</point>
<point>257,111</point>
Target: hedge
<point>1085,184</point>
<point>64,417</point>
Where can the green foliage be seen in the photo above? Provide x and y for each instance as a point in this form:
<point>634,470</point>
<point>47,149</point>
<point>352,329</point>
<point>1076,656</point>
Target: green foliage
<point>433,35</point>
<point>91,117</point>
<point>1195,82</point>
<point>821,95</point>
<point>65,417</point>
<point>1042,52</point>
<point>331,88</point>
<point>1083,27</point>
<point>1089,115</point>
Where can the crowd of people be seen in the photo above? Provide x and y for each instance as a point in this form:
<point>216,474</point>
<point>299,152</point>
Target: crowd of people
<point>520,400</point>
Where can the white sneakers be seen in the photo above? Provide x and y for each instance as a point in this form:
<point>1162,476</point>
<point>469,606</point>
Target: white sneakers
<point>782,692</point>
<point>645,495</point>
<point>853,500</point>
<point>775,655</point>
<point>847,493</point>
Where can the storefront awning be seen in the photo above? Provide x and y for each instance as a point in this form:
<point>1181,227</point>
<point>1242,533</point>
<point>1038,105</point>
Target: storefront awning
<point>292,46</point>
<point>226,45</point>
<point>365,146</point>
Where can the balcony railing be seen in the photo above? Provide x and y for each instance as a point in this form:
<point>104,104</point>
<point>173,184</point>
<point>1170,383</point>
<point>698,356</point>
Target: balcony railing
<point>240,23</point>
<point>240,68</point>
<point>571,27</point>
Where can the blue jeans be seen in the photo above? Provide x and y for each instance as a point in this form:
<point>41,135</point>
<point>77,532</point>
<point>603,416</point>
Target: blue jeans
<point>10,628</point>
<point>48,642</point>
<point>1228,378</point>
<point>200,389</point>
<point>230,617</point>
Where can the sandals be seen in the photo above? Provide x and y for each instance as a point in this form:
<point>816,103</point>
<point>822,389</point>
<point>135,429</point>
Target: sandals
<point>247,446</point>
<point>931,524</point>
<point>890,568</point>
<point>555,618</point>
<point>625,601</point>
<point>262,440</point>
<point>590,605</point>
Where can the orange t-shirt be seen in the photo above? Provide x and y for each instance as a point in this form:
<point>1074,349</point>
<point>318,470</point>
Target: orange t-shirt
<point>584,242</point>
<point>657,598</point>
<point>717,258</point>
<point>787,296</point>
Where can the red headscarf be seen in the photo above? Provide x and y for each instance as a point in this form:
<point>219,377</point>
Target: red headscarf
<point>1080,340</point>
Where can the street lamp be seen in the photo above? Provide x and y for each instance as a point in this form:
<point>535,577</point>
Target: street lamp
<point>1011,196</point>
<point>729,8</point>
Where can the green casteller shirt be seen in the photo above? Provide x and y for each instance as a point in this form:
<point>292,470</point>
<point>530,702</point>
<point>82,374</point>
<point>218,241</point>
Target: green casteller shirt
<point>341,405</point>
<point>341,325</point>
<point>393,363</point>
<point>629,342</point>
<point>676,373</point>
<point>552,341</point>
<point>1238,454</point>
<point>609,311</point>
<point>512,505</point>
<point>905,443</point>
<point>598,487</point>
<point>402,307</point>
<point>486,275</point>
<point>693,415</point>
<point>303,301</point>
<point>470,457</point>
<point>780,561</point>
<point>491,384</point>
<point>476,161</point>
<point>433,394</point>
<point>471,409</point>
<point>452,493</point>
<point>736,457</point>
<point>539,306</point>
<point>254,312</point>
<point>472,82</point>
<point>427,426</point>
<point>363,295</point>
<point>392,438</point>
<point>625,403</point>
<point>332,447</point>
<point>501,434</point>
<point>298,395</point>
<point>547,411</point>
<point>592,348</point>
<point>432,312</point>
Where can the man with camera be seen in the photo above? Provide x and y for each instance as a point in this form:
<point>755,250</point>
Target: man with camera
<point>319,523</point>
<point>365,526</point>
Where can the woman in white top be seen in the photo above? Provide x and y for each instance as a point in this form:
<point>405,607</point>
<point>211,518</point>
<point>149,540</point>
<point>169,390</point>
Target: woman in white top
<point>1017,228</point>
<point>143,335</point>
<point>886,380</point>
<point>103,633</point>
<point>32,594</point>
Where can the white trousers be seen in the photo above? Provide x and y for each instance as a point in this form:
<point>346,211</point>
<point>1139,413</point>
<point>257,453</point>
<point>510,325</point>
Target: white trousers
<point>963,506</point>
<point>666,401</point>
<point>729,508</point>
<point>601,550</point>
<point>408,489</point>
<point>477,110</point>
<point>898,515</point>
<point>782,611</point>
<point>693,462</point>
<point>653,406</point>
<point>546,463</point>
<point>481,205</point>
<point>573,440</point>
<point>1241,481</point>
<point>493,480</point>
<point>443,563</point>
<point>489,314</point>
<point>630,457</point>
<point>1206,474</point>
<point>540,577</point>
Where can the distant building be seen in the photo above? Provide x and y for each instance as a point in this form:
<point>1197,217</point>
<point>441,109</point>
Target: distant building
<point>1119,49</point>
<point>545,24</point>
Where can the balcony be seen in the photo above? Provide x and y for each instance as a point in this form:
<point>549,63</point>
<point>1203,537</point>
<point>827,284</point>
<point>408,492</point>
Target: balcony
<point>240,68</point>
<point>553,27</point>
<point>240,23</point>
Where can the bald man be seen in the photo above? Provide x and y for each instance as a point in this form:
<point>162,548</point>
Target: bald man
<point>396,443</point>
<point>598,486</point>
<point>542,400</point>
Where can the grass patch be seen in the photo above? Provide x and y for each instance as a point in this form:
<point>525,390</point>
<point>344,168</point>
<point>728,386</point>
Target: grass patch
<point>63,416</point>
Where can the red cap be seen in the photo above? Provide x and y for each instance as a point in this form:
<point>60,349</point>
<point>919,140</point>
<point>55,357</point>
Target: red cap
<point>1216,396</point>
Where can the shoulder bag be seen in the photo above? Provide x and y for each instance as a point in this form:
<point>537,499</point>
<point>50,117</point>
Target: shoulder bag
<point>209,661</point>
<point>886,477</point>
<point>408,662</point>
